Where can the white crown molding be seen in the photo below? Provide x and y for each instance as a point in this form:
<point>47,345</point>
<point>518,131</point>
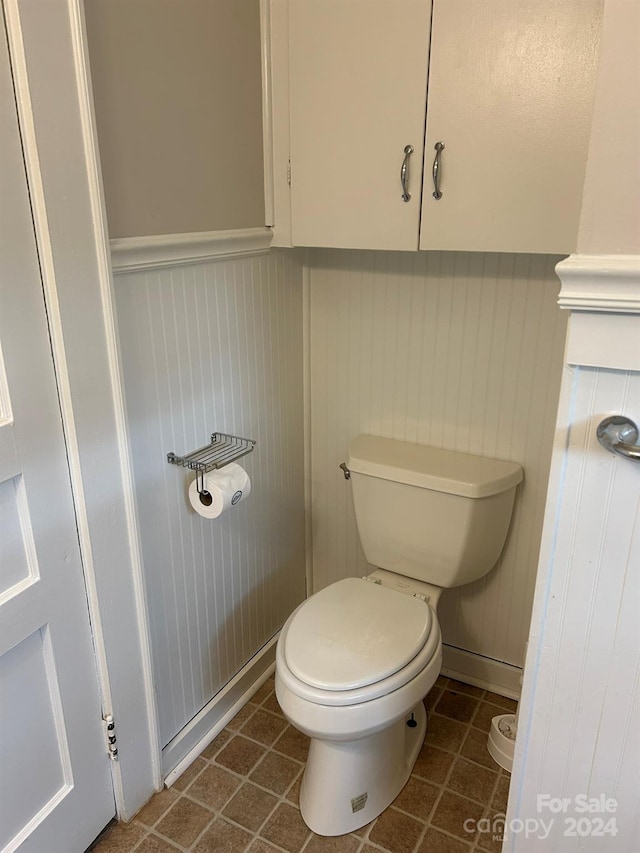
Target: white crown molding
<point>601,283</point>
<point>132,254</point>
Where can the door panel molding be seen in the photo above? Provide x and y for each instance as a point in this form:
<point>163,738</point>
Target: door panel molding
<point>56,790</point>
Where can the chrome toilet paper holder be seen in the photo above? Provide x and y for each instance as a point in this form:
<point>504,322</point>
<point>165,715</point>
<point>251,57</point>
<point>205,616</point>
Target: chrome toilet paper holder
<point>221,450</point>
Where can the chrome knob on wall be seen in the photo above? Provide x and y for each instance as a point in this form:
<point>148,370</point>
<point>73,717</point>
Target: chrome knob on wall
<point>619,434</point>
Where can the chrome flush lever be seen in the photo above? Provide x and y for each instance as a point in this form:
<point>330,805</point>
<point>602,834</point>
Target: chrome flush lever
<point>404,173</point>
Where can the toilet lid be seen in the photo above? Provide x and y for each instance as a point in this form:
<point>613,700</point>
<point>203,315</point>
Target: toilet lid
<point>355,633</point>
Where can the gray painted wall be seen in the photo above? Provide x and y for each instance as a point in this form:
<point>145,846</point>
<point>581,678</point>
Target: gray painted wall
<point>177,90</point>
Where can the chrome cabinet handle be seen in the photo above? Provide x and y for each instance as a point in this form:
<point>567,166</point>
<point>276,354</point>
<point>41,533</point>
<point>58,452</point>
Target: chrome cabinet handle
<point>619,435</point>
<point>435,171</point>
<point>404,173</point>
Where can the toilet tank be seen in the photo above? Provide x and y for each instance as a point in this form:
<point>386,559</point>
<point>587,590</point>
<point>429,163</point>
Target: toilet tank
<point>438,516</point>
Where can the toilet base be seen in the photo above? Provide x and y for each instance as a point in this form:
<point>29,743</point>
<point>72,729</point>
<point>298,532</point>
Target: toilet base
<point>347,784</point>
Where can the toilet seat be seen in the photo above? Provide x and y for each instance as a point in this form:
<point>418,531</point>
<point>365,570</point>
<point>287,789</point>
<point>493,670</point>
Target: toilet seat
<point>425,644</point>
<point>354,633</point>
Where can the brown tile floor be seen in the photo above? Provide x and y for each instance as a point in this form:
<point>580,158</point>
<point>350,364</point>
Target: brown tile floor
<point>242,793</point>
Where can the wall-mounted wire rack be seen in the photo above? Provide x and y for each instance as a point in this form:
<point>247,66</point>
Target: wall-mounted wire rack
<point>222,450</point>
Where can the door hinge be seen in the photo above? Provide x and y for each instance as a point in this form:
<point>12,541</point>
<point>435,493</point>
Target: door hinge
<point>110,734</point>
<point>289,172</point>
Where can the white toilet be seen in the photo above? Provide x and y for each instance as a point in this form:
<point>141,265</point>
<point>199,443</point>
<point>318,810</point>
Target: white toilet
<point>355,660</point>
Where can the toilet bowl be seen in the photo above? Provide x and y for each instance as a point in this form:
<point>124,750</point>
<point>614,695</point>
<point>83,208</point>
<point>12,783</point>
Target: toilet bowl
<point>355,660</point>
<point>363,711</point>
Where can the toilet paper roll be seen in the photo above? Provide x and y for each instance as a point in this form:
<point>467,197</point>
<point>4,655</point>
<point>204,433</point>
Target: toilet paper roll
<point>226,487</point>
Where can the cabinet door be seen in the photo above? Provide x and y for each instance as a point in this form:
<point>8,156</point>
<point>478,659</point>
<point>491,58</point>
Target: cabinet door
<point>511,86</point>
<point>358,79</point>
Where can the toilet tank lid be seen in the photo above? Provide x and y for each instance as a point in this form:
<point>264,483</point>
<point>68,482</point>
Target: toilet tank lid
<point>427,467</point>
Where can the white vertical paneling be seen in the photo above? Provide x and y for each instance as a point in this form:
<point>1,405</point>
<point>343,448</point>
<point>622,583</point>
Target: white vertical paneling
<point>215,346</point>
<point>458,350</point>
<point>580,723</point>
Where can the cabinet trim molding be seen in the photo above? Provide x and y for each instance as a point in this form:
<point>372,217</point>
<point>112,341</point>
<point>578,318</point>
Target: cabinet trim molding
<point>601,283</point>
<point>134,254</point>
<point>267,111</point>
<point>603,294</point>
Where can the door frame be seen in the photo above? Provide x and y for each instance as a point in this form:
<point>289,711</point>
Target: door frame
<point>49,60</point>
<point>64,177</point>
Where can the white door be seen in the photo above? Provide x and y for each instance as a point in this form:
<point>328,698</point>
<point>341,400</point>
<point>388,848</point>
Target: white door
<point>358,86</point>
<point>55,781</point>
<point>510,96</point>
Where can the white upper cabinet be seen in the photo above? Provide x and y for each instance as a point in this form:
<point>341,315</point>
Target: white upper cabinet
<point>358,86</point>
<point>510,94</point>
<point>511,87</point>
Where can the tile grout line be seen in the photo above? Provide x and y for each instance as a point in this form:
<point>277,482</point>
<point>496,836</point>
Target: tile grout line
<point>488,809</point>
<point>449,773</point>
<point>281,799</point>
<point>468,727</point>
<point>218,813</point>
<point>443,788</point>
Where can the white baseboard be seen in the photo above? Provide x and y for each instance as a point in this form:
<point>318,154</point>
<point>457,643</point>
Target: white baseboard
<point>502,678</point>
<point>187,745</point>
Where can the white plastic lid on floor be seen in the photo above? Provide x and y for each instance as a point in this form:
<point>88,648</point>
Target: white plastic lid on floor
<point>355,633</point>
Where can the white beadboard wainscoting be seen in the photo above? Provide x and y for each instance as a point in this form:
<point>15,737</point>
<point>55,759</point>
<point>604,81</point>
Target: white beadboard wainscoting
<point>214,345</point>
<point>583,737</point>
<point>462,351</point>
<point>579,723</point>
